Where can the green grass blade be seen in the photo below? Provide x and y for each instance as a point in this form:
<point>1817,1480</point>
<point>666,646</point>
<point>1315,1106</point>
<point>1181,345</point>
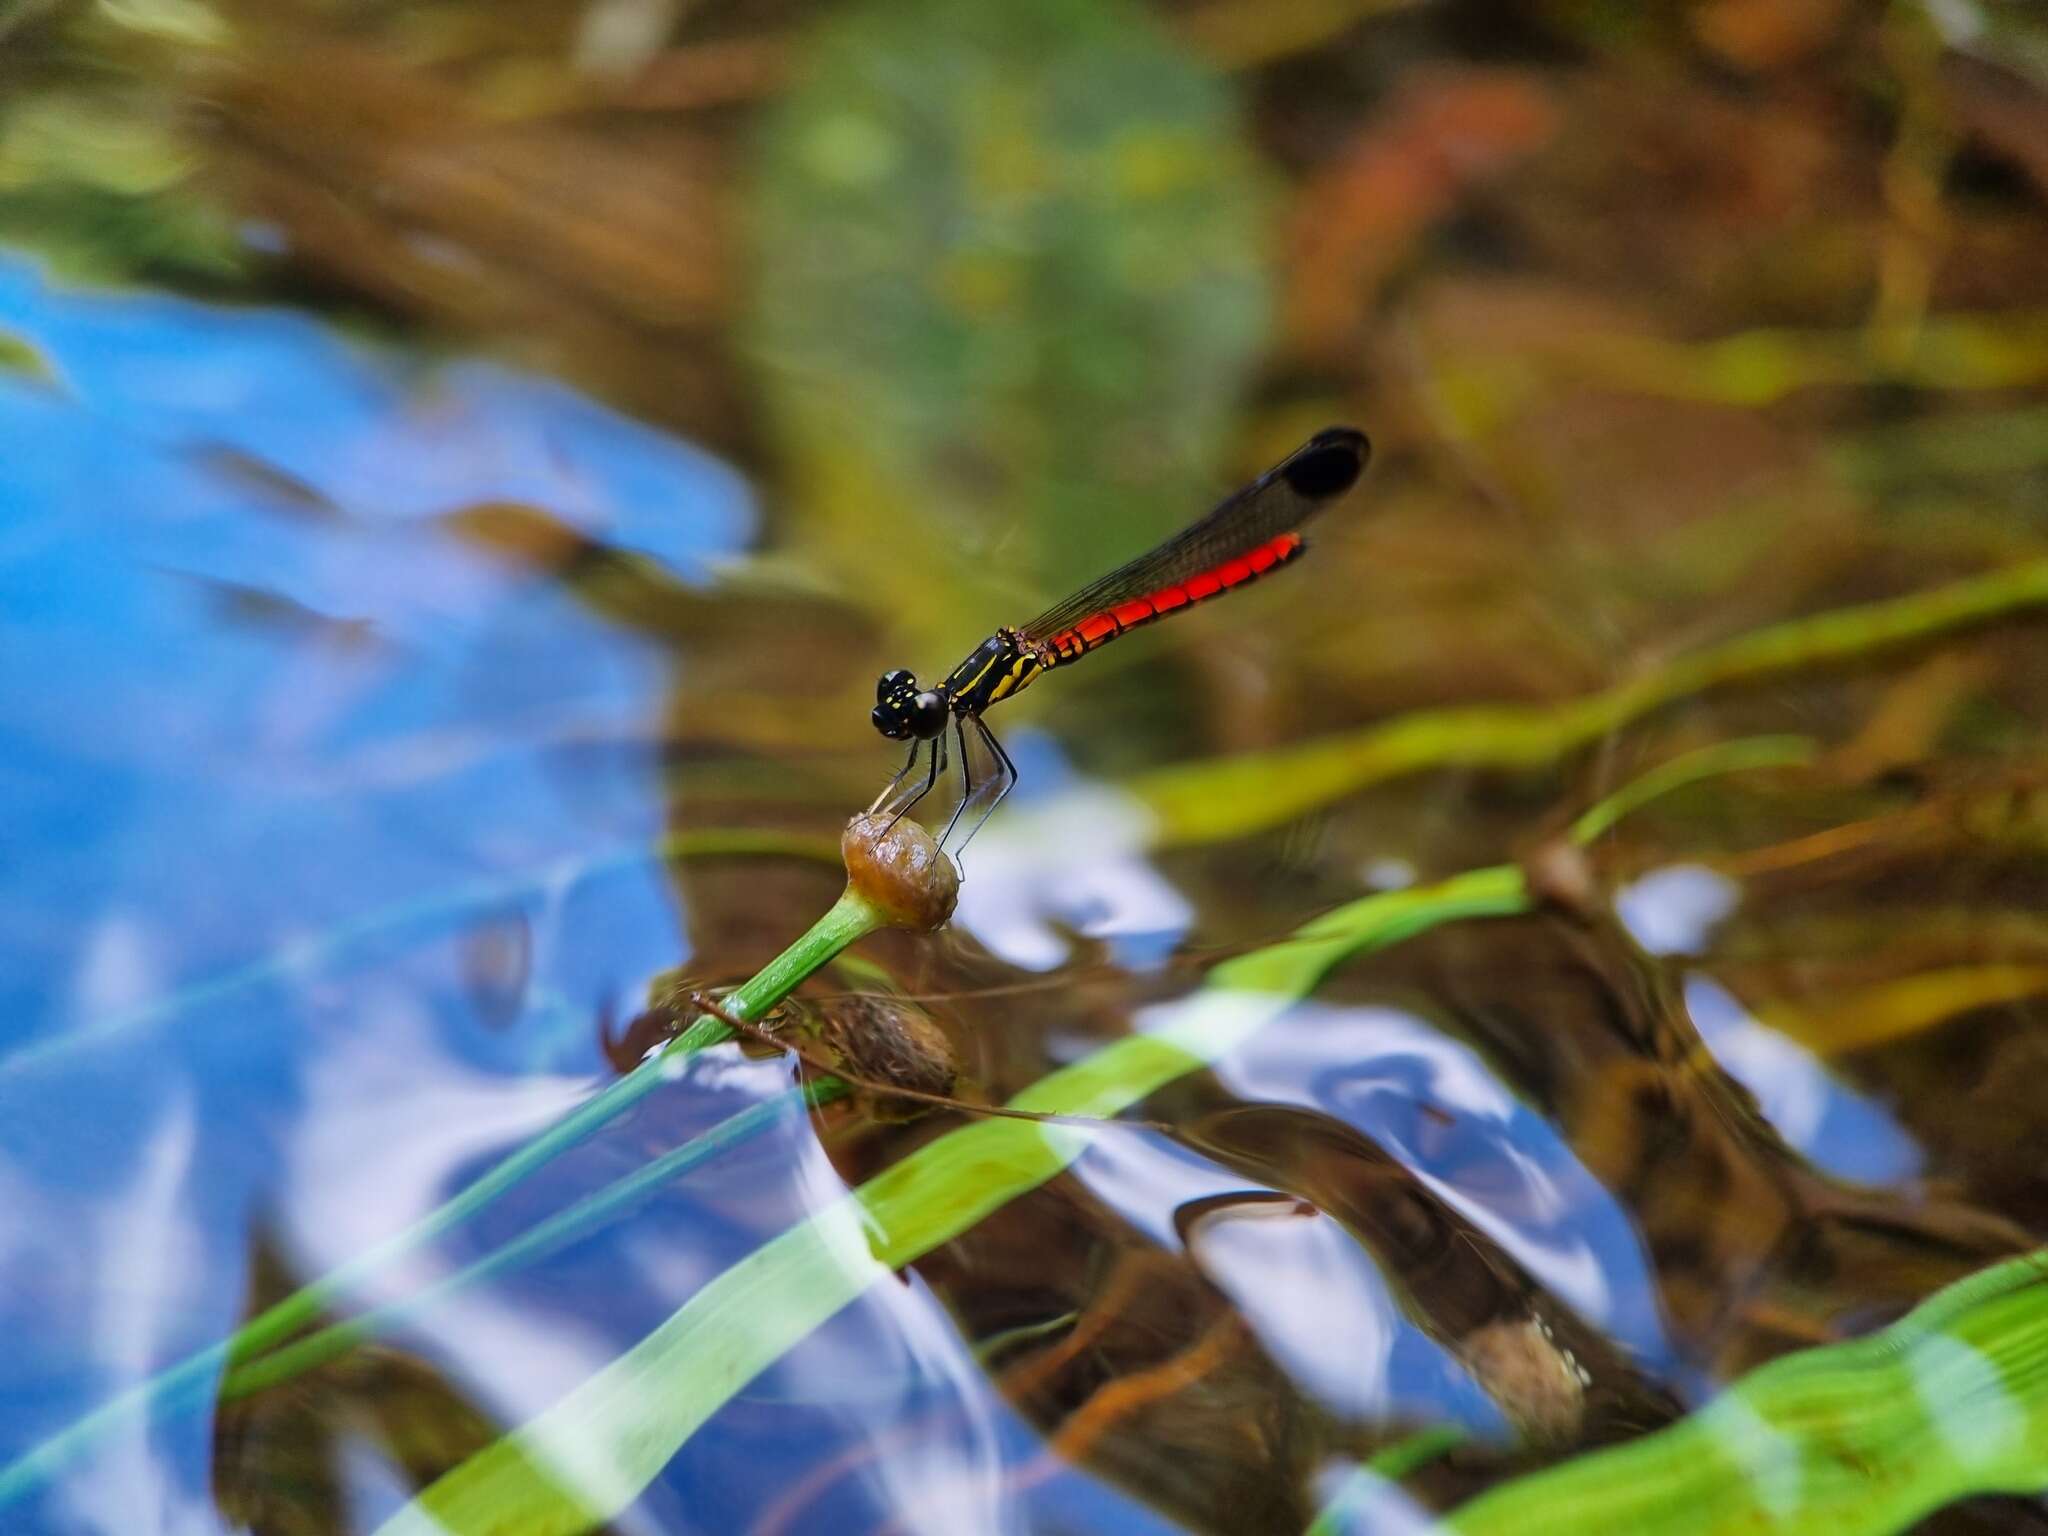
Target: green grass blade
<point>1387,1466</point>
<point>1854,1439</point>
<point>1723,757</point>
<point>1235,796</point>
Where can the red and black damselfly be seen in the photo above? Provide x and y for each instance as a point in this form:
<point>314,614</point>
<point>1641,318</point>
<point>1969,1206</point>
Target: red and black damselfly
<point>1255,531</point>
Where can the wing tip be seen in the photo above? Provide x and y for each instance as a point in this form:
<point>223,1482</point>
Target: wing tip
<point>1328,464</point>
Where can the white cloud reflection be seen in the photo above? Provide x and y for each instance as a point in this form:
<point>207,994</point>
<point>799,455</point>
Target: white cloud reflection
<point>150,1275</point>
<point>1072,855</point>
<point>1675,910</point>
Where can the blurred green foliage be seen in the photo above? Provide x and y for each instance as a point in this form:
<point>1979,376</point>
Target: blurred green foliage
<point>94,173</point>
<point>1010,272</point>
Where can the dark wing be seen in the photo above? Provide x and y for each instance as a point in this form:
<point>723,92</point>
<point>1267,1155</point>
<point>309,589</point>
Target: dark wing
<point>1317,473</point>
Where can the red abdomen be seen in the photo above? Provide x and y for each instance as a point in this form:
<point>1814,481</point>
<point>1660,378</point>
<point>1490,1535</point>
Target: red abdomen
<point>1101,628</point>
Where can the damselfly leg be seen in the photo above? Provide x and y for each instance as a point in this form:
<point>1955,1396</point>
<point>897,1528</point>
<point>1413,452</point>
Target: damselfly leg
<point>966,780</point>
<point>938,767</point>
<point>1005,780</point>
<point>896,802</point>
<point>909,763</point>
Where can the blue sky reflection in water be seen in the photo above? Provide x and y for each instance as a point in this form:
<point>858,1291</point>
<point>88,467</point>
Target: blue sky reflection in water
<point>239,713</point>
<point>282,758</point>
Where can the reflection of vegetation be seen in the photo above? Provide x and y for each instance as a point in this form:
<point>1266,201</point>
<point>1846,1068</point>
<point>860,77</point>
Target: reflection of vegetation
<point>186,1383</point>
<point>289,1361</point>
<point>1756,368</point>
<point>1957,447</point>
<point>915,1210</point>
<point>101,233</point>
<point>342,940</point>
<point>1857,1020</point>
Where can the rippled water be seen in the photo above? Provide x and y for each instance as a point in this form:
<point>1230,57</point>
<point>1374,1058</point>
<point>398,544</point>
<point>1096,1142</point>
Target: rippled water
<point>390,737</point>
<point>329,848</point>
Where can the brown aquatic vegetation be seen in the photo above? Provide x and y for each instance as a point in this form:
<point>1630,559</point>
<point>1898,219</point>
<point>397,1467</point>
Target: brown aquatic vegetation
<point>878,1040</point>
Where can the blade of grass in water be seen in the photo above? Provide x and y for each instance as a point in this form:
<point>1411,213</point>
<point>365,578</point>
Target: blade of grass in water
<point>1234,796</point>
<point>249,1368</point>
<point>1960,351</point>
<point>581,1461</point>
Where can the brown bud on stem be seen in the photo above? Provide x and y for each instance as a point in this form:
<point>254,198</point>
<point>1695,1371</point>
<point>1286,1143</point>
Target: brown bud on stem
<point>899,871</point>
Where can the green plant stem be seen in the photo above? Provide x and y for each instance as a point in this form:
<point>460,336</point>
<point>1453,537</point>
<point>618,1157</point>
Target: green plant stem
<point>1722,757</point>
<point>848,919</point>
<point>1952,445</point>
<point>1959,350</point>
<point>1235,796</point>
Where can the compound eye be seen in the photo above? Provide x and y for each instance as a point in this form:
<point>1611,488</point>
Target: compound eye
<point>898,681</point>
<point>928,713</point>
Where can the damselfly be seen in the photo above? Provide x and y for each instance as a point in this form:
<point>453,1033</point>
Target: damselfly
<point>1255,531</point>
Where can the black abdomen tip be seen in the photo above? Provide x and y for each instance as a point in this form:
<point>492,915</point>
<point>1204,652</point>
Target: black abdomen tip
<point>1329,463</point>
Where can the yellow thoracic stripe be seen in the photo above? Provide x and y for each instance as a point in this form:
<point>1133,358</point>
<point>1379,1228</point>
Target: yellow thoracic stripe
<point>1023,667</point>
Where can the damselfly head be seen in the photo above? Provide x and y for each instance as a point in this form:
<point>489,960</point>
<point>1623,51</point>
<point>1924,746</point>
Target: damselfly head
<point>904,710</point>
